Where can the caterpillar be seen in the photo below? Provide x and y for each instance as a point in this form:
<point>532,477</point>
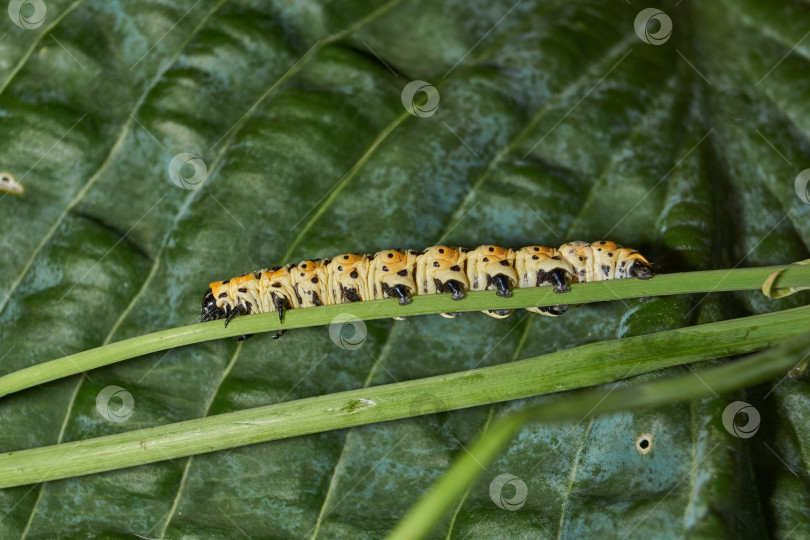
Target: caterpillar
<point>401,274</point>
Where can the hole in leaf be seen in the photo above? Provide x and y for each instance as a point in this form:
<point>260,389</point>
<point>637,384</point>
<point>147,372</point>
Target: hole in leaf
<point>644,443</point>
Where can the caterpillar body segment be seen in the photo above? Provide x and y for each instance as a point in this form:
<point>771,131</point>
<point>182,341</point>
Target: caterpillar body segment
<point>308,279</point>
<point>492,268</point>
<point>276,291</point>
<point>402,274</point>
<point>347,279</point>
<point>538,266</point>
<point>391,274</point>
<point>441,269</point>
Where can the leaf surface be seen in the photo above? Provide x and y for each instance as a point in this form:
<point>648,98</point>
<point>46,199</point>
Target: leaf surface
<point>556,122</point>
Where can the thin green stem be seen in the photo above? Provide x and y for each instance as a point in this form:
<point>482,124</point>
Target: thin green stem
<point>426,513</point>
<point>587,365</point>
<point>792,275</point>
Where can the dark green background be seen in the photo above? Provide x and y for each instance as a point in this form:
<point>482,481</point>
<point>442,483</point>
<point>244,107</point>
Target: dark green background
<point>558,123</point>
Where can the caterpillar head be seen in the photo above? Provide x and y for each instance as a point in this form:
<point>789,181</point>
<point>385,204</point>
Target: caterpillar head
<point>628,262</point>
<point>631,263</point>
<point>210,310</point>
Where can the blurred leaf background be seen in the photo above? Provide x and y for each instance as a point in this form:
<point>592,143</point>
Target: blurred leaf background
<point>557,121</point>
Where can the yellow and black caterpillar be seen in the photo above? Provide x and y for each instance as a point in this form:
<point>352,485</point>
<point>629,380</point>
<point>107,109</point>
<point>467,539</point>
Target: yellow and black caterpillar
<point>404,273</point>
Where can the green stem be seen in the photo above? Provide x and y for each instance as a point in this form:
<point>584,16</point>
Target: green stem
<point>587,365</point>
<point>426,513</point>
<point>667,284</point>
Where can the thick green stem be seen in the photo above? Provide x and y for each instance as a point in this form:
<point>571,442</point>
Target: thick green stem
<point>563,370</point>
<point>426,513</point>
<point>792,275</point>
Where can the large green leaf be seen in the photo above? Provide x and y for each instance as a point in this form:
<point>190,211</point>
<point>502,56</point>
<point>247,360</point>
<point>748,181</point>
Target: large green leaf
<point>556,121</point>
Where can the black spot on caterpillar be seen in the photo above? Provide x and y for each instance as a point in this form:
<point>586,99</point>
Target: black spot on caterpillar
<point>407,273</point>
